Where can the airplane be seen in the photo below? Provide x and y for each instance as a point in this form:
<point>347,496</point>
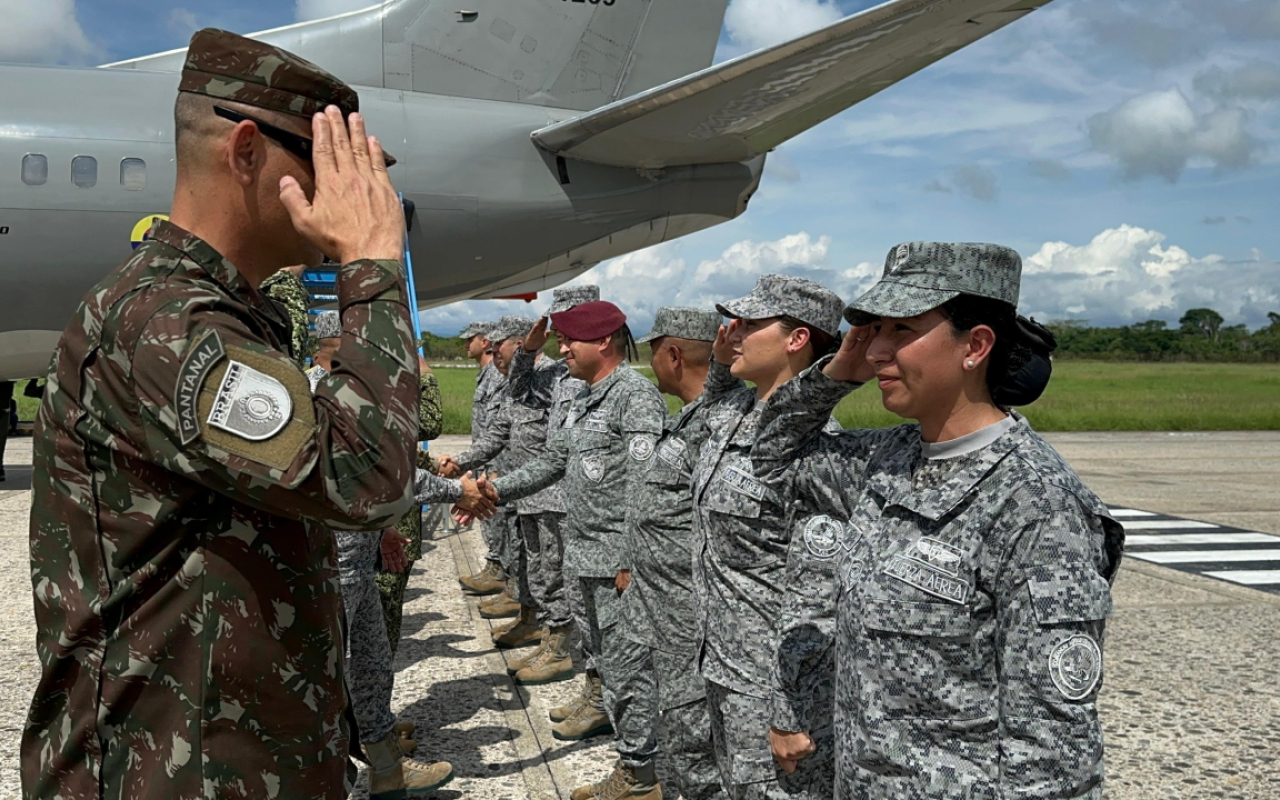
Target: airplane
<point>535,138</point>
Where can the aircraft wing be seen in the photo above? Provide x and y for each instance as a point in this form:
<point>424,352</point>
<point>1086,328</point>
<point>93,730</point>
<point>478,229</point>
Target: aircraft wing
<point>739,109</point>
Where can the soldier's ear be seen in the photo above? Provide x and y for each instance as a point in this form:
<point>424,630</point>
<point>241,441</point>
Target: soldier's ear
<point>245,153</point>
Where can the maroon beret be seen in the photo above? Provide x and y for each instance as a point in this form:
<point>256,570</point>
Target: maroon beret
<point>589,321</point>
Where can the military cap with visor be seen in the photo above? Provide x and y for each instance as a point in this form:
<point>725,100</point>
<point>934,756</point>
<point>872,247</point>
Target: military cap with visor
<point>788,296</point>
<point>684,323</point>
<point>477,329</point>
<point>590,321</point>
<point>507,327</point>
<point>567,297</point>
<point>234,68</point>
<point>920,276</point>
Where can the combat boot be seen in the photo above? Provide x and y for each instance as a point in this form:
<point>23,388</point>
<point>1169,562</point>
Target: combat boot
<point>625,783</point>
<point>571,708</point>
<point>392,776</point>
<point>489,580</point>
<point>405,731</point>
<point>525,632</point>
<point>589,721</point>
<point>517,663</point>
<point>500,607</point>
<point>553,662</point>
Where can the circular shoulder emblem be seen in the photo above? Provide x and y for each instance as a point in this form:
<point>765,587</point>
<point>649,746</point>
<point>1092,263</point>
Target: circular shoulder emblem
<point>1076,667</point>
<point>822,537</point>
<point>641,448</point>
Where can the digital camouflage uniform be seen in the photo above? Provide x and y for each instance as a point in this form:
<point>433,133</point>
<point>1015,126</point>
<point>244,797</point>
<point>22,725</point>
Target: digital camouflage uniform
<point>488,398</point>
<point>519,432</point>
<point>658,606</point>
<point>741,547</point>
<point>391,585</point>
<point>186,592</point>
<point>607,437</point>
<point>287,289</point>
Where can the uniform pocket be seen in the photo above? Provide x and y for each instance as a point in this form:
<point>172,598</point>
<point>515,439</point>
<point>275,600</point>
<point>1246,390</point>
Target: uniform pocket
<point>929,666</point>
<point>736,536</point>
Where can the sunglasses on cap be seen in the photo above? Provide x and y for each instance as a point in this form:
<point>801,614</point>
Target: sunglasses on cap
<point>300,146</point>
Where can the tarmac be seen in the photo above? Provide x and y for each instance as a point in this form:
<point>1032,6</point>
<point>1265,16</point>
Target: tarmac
<point>1189,704</point>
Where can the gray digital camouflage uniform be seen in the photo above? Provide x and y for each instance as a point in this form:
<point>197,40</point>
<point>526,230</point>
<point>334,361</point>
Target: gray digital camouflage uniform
<point>488,398</point>
<point>972,594</point>
<point>607,438</point>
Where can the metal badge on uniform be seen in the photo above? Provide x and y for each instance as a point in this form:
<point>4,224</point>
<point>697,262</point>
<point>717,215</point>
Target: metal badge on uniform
<point>593,468</point>
<point>1076,667</point>
<point>206,354</point>
<point>250,404</point>
<point>744,482</point>
<point>928,579</point>
<point>672,451</point>
<point>822,537</point>
<point>641,448</point>
<point>939,555</point>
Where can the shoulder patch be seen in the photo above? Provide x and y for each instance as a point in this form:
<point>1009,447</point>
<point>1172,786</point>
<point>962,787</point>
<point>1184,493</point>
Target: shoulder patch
<point>641,448</point>
<point>1075,666</point>
<point>200,361</point>
<point>250,404</point>
<point>822,537</point>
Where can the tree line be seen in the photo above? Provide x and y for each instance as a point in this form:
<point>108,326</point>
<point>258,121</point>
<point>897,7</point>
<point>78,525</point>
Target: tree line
<point>1201,335</point>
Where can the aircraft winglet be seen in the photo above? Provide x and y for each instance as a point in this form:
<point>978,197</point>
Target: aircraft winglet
<point>742,108</point>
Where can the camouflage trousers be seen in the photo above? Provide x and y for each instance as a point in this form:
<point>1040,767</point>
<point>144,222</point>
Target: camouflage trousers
<point>493,531</point>
<point>543,563</point>
<point>740,734</point>
<point>368,658</point>
<point>586,655</point>
<point>684,727</point>
<point>626,672</point>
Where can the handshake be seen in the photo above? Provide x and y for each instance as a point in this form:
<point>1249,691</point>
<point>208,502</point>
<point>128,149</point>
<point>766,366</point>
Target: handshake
<point>479,497</point>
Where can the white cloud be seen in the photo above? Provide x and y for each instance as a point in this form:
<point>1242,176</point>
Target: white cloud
<point>182,21</point>
<point>1130,274</point>
<point>1159,133</point>
<point>1257,80</point>
<point>42,32</point>
<point>760,23</point>
<point>319,9</point>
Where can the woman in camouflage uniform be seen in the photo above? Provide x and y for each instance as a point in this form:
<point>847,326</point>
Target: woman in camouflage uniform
<point>972,567</point>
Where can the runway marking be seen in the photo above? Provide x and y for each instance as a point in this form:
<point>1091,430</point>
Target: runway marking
<point>1202,548</point>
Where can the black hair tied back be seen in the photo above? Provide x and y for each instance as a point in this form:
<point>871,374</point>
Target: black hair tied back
<point>1024,384</point>
<point>1019,367</point>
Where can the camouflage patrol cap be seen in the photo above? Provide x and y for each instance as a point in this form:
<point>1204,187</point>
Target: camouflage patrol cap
<point>508,327</point>
<point>684,323</point>
<point>477,329</point>
<point>567,297</point>
<point>787,296</point>
<point>920,276</point>
<point>328,325</point>
<point>228,66</point>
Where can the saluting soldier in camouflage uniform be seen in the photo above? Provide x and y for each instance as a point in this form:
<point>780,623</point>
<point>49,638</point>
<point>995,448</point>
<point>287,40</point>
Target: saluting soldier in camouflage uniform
<point>657,601</point>
<point>607,438</point>
<point>972,566</point>
<point>391,584</point>
<point>492,579</point>
<point>742,538</point>
<point>287,289</point>
<point>186,596</point>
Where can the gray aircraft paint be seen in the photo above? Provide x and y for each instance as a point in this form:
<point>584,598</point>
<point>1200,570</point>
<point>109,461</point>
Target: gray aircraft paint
<point>477,114</point>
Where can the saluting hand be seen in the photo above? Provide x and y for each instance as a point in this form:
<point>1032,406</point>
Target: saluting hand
<point>788,748</point>
<point>537,337</point>
<point>850,362</point>
<point>355,212</point>
<point>723,349</point>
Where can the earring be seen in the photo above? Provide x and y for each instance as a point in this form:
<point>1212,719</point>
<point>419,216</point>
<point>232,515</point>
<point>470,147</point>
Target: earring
<point>969,364</point>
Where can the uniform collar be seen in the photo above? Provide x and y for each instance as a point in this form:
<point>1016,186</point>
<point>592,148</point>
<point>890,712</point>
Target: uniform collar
<point>683,416</point>
<point>891,476</point>
<point>597,392</point>
<point>216,267</point>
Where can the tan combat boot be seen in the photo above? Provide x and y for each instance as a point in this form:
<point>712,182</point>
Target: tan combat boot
<point>489,580</point>
<point>392,776</point>
<point>517,663</point>
<point>405,731</point>
<point>626,783</point>
<point>525,632</point>
<point>589,721</point>
<point>500,607</point>
<point>553,664</point>
<point>569,709</point>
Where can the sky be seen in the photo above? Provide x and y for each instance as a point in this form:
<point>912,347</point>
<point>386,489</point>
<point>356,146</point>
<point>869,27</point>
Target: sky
<point>1127,148</point>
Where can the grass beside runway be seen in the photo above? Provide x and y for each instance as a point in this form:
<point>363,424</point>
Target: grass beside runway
<point>1083,396</point>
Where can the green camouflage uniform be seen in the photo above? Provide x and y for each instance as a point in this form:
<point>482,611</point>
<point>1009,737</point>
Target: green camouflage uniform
<point>187,607</point>
<point>286,289</point>
<point>391,585</point>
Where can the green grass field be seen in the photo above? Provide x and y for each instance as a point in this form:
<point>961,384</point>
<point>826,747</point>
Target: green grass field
<point>1083,396</point>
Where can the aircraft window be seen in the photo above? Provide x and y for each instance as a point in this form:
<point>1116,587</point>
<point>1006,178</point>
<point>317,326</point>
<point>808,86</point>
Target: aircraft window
<point>35,169</point>
<point>133,174</point>
<point>84,171</point>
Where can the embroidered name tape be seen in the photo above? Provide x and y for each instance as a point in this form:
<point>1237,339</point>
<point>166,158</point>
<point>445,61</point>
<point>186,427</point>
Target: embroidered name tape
<point>672,451</point>
<point>741,481</point>
<point>928,579</point>
<point>206,354</point>
<point>596,423</point>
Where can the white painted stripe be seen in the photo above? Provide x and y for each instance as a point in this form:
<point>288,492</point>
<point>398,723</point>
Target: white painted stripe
<point>1248,577</point>
<point>1125,513</point>
<point>1200,538</point>
<point>1168,525</point>
<point>1210,556</point>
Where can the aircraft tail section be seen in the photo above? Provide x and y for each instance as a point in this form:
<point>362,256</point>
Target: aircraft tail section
<point>577,54</point>
<point>743,108</point>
